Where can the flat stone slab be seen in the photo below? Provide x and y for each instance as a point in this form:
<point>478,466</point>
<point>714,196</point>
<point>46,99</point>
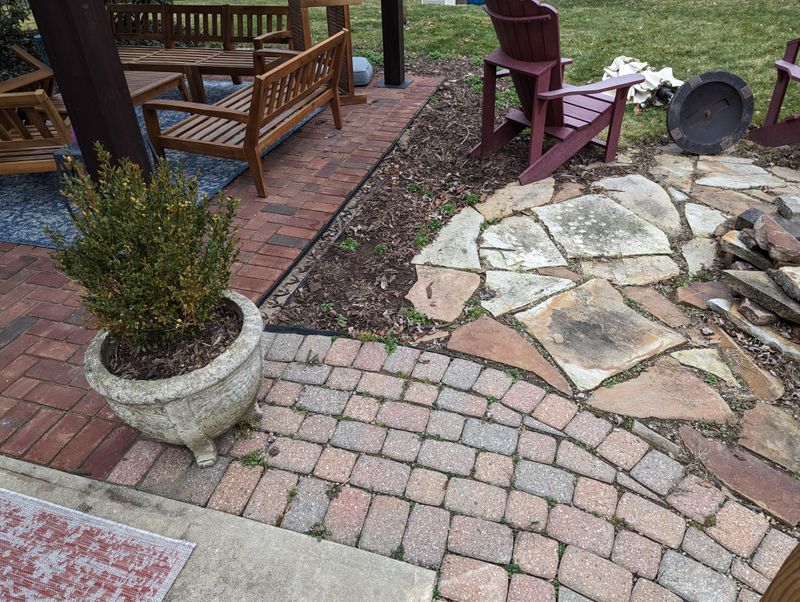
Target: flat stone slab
<point>440,293</point>
<point>765,334</point>
<point>728,201</point>
<point>491,340</point>
<point>658,305</point>
<point>703,220</point>
<point>514,291</point>
<point>789,206</point>
<point>645,198</point>
<point>665,390</point>
<point>595,226</point>
<point>633,270</point>
<point>675,171</point>
<point>732,243</point>
<point>514,198</point>
<point>700,254</point>
<point>518,243</point>
<point>772,432</point>
<point>786,173</point>
<point>774,491</point>
<point>788,278</point>
<point>697,294</point>
<point>455,246</point>
<point>759,287</point>
<point>707,360</point>
<point>593,335</point>
<point>763,385</point>
<point>735,175</point>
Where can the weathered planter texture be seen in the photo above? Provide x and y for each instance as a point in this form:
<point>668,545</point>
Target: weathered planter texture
<point>190,409</point>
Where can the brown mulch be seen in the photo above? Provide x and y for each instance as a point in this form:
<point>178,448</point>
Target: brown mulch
<point>180,357</point>
<point>363,289</point>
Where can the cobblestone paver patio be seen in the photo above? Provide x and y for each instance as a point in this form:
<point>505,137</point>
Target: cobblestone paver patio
<point>508,490</point>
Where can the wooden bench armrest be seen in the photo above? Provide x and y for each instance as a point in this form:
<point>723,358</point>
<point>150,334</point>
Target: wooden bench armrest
<point>265,59</point>
<point>790,68</point>
<point>614,83</point>
<point>195,108</point>
<point>283,36</point>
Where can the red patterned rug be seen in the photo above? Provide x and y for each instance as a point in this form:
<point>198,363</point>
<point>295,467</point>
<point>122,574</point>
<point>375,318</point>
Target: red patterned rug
<point>48,552</point>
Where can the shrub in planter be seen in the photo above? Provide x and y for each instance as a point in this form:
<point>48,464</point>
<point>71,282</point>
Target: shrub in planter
<point>178,354</point>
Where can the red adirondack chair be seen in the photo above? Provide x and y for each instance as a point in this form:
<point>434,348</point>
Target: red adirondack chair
<point>528,32</point>
<point>773,132</point>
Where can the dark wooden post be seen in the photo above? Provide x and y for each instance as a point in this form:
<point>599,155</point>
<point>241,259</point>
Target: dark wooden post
<point>82,52</point>
<point>394,68</point>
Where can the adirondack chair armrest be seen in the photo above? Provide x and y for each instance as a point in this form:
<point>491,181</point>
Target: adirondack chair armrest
<point>280,37</point>
<point>565,61</point>
<point>615,83</point>
<point>790,68</point>
<point>195,108</point>
<point>535,69</point>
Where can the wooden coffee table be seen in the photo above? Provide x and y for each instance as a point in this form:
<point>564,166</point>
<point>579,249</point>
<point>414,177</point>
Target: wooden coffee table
<point>142,86</point>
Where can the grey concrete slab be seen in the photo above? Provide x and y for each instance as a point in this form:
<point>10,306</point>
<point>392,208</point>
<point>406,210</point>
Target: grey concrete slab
<point>235,558</point>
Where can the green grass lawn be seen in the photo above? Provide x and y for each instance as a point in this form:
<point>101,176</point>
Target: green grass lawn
<point>691,36</point>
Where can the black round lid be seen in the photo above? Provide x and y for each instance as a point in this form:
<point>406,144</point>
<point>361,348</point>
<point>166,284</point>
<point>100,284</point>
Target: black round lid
<point>710,112</point>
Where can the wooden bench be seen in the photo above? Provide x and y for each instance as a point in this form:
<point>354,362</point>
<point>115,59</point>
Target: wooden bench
<point>40,75</point>
<point>242,125</point>
<point>31,130</point>
<point>775,132</point>
<point>198,40</point>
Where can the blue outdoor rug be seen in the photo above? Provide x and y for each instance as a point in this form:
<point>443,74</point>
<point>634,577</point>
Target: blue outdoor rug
<point>29,202</point>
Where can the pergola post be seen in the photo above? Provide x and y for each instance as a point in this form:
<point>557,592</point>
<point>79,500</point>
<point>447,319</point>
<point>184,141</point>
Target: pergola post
<point>82,52</point>
<point>394,68</point>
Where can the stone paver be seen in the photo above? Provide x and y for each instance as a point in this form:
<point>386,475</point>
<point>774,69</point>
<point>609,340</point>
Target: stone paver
<point>693,581</point>
<point>572,526</point>
<point>283,421</point>
<point>401,445</point>
<point>306,373</point>
<point>308,506</point>
<point>271,496</point>
<point>696,498</point>
<point>739,529</point>
<point>323,401</point>
<point>425,539</point>
<point>358,436</point>
<point>651,520</point>
<point>519,244</point>
<point>344,379</point>
<point>317,428</point>
<point>447,457</point>
<point>526,511</point>
<point>492,382</point>
<point>500,414</point>
<point>445,425</point>
<point>772,553</point>
<point>426,486</point>
<point>555,411</point>
<point>284,393</point>
<point>346,514</point>
<point>746,574</point>
<point>658,472</point>
<point>638,554</point>
<point>421,393</point>
<point>290,454</point>
<point>401,361</point>
<point>461,374</point>
<point>537,555</point>
<point>491,437</point>
<point>595,497</point>
<point>379,475</point>
<point>588,428</point>
<point>385,524</point>
<point>440,293</point>
<point>578,460</point>
<point>381,385</point>
<point>594,577</point>
<point>461,402</point>
<point>537,447</point>
<point>342,352</point>
<point>480,539</point>
<point>701,547</point>
<point>335,464</point>
<point>622,449</point>
<point>371,357</point>
<point>530,589</point>
<point>468,580</point>
<point>362,408</point>
<point>405,416</point>
<point>430,367</point>
<point>465,496</point>
<point>545,481</point>
<point>313,349</point>
<point>495,469</point>
<point>523,396</point>
<point>647,591</point>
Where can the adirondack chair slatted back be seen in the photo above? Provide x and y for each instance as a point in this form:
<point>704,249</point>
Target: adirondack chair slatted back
<point>251,21</point>
<point>29,120</point>
<point>139,22</point>
<point>528,31</point>
<point>792,50</point>
<point>291,82</point>
<point>200,24</point>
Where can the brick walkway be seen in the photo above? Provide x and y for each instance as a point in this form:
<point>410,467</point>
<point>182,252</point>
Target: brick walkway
<point>47,413</point>
<point>504,488</point>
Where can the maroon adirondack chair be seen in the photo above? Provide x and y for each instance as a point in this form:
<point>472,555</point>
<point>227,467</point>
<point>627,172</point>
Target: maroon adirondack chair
<point>530,50</point>
<point>773,132</point>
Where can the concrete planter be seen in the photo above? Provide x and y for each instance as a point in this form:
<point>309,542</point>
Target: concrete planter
<point>193,408</point>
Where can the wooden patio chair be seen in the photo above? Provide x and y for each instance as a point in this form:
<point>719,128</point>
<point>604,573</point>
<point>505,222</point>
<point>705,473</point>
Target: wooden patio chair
<point>241,126</point>
<point>528,33</point>
<point>31,130</point>
<point>774,132</point>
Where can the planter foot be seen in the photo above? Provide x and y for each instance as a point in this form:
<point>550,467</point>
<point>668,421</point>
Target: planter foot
<point>205,452</point>
<point>253,413</point>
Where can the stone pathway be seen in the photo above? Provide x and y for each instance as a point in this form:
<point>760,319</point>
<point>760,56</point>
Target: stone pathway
<point>509,491</point>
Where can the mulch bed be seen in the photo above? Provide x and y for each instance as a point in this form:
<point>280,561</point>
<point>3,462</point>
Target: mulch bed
<point>180,357</point>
